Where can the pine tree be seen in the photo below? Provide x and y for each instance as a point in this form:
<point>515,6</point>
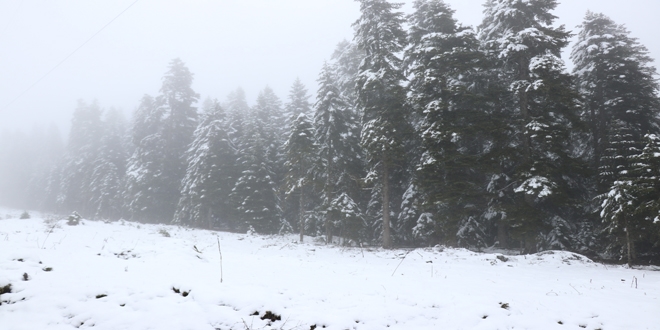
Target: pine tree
<point>616,80</point>
<point>271,122</point>
<point>346,61</point>
<point>143,187</point>
<point>349,217</point>
<point>336,131</point>
<point>381,96</point>
<point>78,163</point>
<point>447,92</point>
<point>179,123</point>
<point>542,110</point>
<point>298,102</point>
<point>109,168</point>
<point>210,175</point>
<point>255,195</point>
<point>301,158</point>
<point>162,132</point>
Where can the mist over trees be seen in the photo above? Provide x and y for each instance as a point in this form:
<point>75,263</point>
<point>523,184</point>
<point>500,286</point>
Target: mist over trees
<point>447,134</point>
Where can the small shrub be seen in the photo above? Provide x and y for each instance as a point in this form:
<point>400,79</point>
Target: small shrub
<point>181,292</point>
<point>25,215</point>
<point>271,316</point>
<point>5,289</point>
<point>26,277</point>
<point>164,232</point>
<point>74,219</point>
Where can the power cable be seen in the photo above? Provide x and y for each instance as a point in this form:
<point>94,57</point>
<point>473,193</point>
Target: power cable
<point>67,57</point>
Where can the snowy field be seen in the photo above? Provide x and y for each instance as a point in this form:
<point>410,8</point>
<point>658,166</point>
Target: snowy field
<point>125,275</point>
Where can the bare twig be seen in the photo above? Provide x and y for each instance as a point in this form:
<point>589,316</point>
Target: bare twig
<point>402,259</point>
<point>574,288</point>
<point>220,250</point>
<point>43,245</point>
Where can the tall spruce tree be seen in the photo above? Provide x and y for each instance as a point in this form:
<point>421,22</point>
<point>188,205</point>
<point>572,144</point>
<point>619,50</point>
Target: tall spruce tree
<point>145,166</point>
<point>109,168</point>
<point>162,132</point>
<point>616,80</point>
<point>336,131</point>
<point>445,69</point>
<point>78,163</point>
<point>210,175</point>
<point>381,97</point>
<point>301,158</point>
<point>541,107</point>
<point>298,102</point>
<point>255,194</point>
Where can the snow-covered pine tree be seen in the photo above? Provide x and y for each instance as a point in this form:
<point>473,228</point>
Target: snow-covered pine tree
<point>298,102</point>
<point>162,132</point>
<point>619,205</point>
<point>210,175</point>
<point>616,79</point>
<point>255,195</point>
<point>381,97</point>
<point>542,107</point>
<point>110,168</point>
<point>336,132</point>
<point>78,163</point>
<point>143,185</point>
<point>176,98</point>
<point>271,122</point>
<point>346,61</point>
<point>301,155</point>
<point>445,69</point>
<point>237,109</point>
<point>349,217</point>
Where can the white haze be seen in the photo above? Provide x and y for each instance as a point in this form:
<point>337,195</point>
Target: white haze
<point>226,44</point>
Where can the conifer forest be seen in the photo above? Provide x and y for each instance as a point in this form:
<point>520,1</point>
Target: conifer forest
<point>422,132</point>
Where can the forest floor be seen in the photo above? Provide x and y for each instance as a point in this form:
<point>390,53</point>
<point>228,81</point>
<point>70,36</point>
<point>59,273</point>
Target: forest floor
<point>124,275</point>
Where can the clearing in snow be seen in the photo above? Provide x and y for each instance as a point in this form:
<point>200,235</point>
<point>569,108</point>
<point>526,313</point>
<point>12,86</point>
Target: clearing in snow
<point>124,275</point>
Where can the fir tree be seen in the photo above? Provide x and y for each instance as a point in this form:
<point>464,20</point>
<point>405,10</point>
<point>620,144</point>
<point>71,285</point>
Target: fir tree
<point>255,195</point>
<point>109,168</point>
<point>162,133</point>
<point>336,131</point>
<point>542,111</point>
<point>616,80</point>
<point>210,175</point>
<point>301,157</point>
<point>78,163</point>
<point>447,92</point>
<point>381,96</point>
<point>143,188</point>
<point>298,102</point>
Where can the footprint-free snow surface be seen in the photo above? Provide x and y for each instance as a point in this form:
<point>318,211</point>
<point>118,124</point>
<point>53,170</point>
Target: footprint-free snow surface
<point>124,275</point>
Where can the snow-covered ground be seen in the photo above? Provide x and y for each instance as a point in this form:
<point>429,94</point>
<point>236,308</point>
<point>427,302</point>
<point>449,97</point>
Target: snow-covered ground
<point>124,275</point>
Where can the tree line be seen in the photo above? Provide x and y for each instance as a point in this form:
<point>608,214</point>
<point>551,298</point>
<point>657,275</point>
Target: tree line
<point>423,131</point>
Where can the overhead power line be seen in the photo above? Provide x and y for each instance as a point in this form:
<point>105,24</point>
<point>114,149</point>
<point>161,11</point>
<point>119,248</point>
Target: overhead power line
<point>68,56</point>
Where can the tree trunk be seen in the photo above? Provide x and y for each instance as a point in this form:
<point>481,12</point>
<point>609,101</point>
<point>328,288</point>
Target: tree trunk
<point>328,195</point>
<point>302,214</point>
<point>524,110</point>
<point>501,234</point>
<point>629,245</point>
<point>387,241</point>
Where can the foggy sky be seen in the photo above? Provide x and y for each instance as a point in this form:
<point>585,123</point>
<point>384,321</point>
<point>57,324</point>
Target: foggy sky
<point>225,43</point>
